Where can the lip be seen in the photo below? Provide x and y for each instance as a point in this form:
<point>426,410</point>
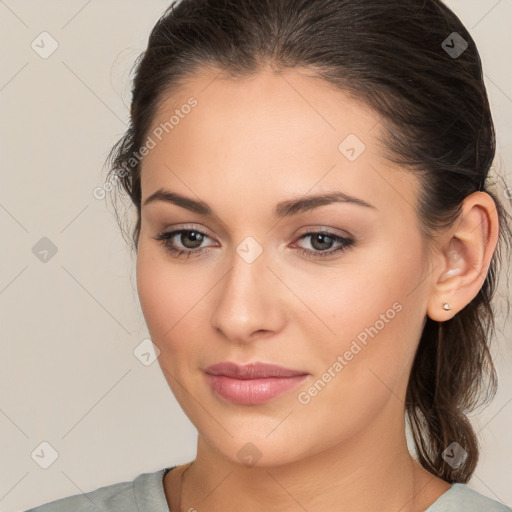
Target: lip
<point>252,384</point>
<point>252,370</point>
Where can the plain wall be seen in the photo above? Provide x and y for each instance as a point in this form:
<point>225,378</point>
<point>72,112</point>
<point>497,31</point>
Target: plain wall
<point>68,373</point>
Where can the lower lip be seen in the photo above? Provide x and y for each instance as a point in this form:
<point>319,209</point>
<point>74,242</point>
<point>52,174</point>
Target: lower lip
<point>252,391</point>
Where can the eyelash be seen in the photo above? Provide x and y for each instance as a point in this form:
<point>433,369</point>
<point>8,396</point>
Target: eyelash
<point>165,239</point>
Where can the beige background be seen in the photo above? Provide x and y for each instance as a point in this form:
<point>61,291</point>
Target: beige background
<point>68,373</point>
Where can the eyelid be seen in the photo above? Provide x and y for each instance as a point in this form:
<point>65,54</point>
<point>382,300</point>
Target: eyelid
<point>321,228</point>
<point>189,227</point>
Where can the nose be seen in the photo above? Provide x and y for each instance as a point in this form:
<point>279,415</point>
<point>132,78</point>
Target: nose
<point>249,302</point>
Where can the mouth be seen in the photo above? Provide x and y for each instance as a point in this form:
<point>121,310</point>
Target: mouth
<point>252,384</point>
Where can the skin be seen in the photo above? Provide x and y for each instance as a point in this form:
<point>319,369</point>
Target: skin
<point>247,145</point>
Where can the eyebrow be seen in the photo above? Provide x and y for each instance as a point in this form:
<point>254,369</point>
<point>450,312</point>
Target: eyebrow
<point>282,209</point>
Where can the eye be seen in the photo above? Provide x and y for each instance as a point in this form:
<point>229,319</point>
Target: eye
<point>322,242</point>
<point>190,240</point>
<point>187,242</point>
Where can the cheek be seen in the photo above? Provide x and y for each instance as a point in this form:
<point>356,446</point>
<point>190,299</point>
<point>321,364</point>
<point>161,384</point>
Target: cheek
<point>150,288</point>
<point>371,319</point>
<point>358,293</point>
<point>172,301</point>
<point>161,296</point>
<point>367,365</point>
<point>167,306</point>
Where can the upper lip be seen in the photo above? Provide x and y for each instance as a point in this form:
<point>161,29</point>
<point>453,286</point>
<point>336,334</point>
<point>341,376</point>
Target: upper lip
<point>251,370</point>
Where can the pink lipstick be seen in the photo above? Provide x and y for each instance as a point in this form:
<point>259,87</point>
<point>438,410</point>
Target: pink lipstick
<point>252,384</point>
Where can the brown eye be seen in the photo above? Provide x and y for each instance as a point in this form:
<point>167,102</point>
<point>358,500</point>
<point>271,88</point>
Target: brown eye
<point>322,241</point>
<point>189,241</point>
<point>194,237</point>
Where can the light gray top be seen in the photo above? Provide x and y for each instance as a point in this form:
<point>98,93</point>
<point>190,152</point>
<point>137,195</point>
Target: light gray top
<point>146,494</point>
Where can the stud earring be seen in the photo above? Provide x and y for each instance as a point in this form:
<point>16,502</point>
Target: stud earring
<point>446,306</point>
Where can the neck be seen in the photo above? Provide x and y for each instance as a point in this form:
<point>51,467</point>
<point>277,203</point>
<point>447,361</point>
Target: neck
<point>372,470</point>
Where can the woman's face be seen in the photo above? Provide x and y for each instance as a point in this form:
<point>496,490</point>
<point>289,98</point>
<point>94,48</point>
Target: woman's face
<point>348,319</point>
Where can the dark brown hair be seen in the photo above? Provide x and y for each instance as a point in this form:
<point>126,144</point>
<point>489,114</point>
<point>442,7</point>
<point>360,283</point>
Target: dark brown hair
<point>394,56</point>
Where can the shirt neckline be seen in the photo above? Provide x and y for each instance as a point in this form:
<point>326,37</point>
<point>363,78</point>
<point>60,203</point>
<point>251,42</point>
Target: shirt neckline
<point>153,485</point>
<point>149,492</point>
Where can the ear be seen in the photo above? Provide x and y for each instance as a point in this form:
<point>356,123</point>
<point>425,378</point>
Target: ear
<point>464,256</point>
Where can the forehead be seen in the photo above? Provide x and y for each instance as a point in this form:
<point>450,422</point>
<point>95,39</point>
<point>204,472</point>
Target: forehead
<point>286,133</point>
<point>290,103</point>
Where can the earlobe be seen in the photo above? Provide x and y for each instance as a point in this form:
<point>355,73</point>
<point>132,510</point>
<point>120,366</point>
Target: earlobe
<point>464,258</point>
<point>443,304</point>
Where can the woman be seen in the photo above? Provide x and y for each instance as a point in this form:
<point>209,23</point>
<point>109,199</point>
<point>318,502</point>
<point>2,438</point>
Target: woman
<point>317,249</point>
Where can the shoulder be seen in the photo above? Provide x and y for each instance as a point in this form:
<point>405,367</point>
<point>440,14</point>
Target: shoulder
<point>119,497</point>
<point>461,498</point>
